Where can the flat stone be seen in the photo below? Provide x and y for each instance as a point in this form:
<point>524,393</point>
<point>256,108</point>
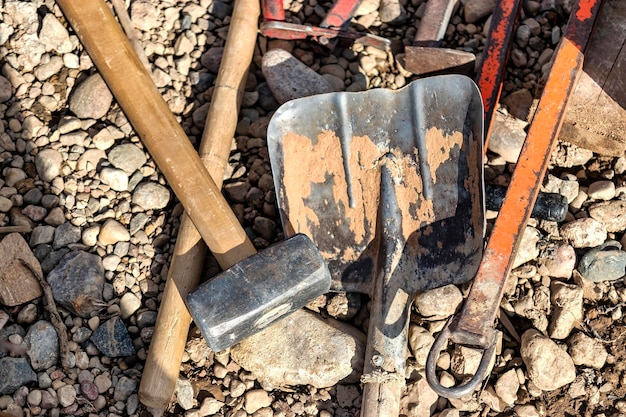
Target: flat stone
<point>612,214</point>
<point>17,283</point>
<point>289,79</point>
<point>507,137</point>
<point>16,372</point>
<point>129,303</point>
<point>47,70</point>
<point>77,282</point>
<point>151,196</point>
<point>127,157</point>
<point>91,99</point>
<point>184,393</point>
<point>584,233</point>
<point>438,303</point>
<point>586,351</point>
<point>124,388</point>
<point>567,300</point>
<point>90,159</point>
<point>607,262</point>
<point>43,345</point>
<point>112,339</point>
<point>303,349</point>
<point>548,366</point>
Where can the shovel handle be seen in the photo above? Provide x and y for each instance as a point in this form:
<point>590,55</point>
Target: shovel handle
<point>158,381</point>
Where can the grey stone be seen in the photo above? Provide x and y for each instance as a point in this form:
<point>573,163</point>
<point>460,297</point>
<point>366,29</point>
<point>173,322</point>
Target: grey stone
<point>41,234</point>
<point>77,282</point>
<point>548,366</point>
<point>112,339</point>
<point>124,388</point>
<point>288,78</point>
<point>48,163</point>
<point>151,196</point>
<point>6,90</point>
<point>220,9</point>
<point>127,157</point>
<point>66,234</point>
<point>303,349</point>
<point>16,372</point>
<point>43,345</point>
<point>567,188</point>
<point>606,262</point>
<point>91,99</point>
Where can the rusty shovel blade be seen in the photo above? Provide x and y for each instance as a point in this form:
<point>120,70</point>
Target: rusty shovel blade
<point>389,186</point>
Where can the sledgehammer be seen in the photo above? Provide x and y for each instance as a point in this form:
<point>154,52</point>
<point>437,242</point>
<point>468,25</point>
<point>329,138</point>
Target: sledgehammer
<point>301,266</point>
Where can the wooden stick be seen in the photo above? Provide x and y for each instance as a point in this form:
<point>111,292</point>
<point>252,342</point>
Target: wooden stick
<point>170,334</point>
<point>55,317</point>
<point>131,32</point>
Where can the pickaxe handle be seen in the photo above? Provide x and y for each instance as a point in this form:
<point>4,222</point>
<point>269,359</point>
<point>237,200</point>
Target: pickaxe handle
<point>185,172</point>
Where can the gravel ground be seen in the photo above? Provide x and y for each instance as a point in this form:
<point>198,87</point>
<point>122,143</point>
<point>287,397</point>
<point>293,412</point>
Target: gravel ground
<point>83,205</point>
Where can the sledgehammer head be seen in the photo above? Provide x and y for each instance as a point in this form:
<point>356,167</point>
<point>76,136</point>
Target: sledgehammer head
<point>258,291</point>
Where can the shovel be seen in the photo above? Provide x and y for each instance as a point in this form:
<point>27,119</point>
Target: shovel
<point>389,186</point>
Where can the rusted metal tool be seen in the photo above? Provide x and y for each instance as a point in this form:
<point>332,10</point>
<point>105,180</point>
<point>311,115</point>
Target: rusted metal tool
<point>426,57</point>
<point>495,57</point>
<point>388,184</point>
<point>333,27</point>
<point>474,326</point>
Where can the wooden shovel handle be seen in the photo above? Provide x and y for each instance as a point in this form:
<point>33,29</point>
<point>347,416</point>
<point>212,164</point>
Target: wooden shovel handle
<point>158,129</point>
<point>159,377</point>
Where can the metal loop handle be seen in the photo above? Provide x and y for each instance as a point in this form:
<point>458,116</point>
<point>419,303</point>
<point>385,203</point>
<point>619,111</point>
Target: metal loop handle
<point>460,390</point>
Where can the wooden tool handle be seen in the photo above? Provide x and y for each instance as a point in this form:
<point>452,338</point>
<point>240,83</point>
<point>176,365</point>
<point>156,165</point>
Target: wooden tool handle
<point>159,377</point>
<point>158,129</point>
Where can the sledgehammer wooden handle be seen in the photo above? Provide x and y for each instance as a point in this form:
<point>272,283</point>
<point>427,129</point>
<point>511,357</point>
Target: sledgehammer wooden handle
<point>158,381</point>
<point>158,129</point>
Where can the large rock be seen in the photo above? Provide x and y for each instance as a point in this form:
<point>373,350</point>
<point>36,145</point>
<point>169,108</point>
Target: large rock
<point>91,99</point>
<point>439,302</point>
<point>507,137</point>
<point>607,262</point>
<point>548,366</point>
<point>43,345</point>
<point>15,373</point>
<point>288,78</point>
<point>303,349</point>
<point>612,214</point>
<point>77,283</point>
<point>18,285</point>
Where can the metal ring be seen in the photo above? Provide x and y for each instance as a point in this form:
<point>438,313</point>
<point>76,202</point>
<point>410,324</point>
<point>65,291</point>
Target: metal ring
<point>470,386</point>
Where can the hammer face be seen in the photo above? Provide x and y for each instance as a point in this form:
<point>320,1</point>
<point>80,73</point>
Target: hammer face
<point>258,291</point>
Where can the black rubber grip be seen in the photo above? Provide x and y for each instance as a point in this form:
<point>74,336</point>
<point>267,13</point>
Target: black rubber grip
<point>549,206</point>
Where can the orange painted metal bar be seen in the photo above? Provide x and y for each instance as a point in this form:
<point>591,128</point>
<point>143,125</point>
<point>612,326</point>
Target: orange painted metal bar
<point>475,323</point>
<point>495,58</point>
